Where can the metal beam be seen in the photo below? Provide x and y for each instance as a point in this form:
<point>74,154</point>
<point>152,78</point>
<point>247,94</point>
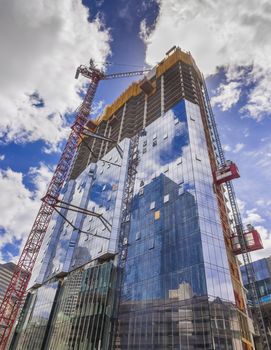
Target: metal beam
<point>77,229</point>
<point>75,208</point>
<point>118,148</point>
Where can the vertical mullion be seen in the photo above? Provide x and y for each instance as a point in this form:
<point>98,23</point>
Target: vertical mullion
<point>99,298</point>
<point>91,298</point>
<point>84,314</point>
<point>93,323</point>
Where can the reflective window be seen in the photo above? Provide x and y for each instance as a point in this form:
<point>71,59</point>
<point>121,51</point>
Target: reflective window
<point>177,273</point>
<point>176,286</point>
<point>39,306</point>
<point>166,198</point>
<point>157,215</point>
<point>152,206</point>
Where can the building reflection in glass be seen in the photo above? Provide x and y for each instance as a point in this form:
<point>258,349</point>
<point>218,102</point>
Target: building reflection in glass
<point>35,317</point>
<point>98,189</point>
<point>75,314</point>
<point>177,291</point>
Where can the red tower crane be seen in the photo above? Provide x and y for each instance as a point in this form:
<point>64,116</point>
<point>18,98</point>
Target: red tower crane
<point>21,276</point>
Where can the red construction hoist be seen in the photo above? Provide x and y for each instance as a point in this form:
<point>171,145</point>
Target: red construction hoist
<point>19,281</point>
<point>227,171</point>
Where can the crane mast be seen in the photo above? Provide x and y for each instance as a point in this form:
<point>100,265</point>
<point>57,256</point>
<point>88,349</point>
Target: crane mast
<point>17,287</point>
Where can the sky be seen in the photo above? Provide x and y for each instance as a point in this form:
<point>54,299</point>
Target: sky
<point>43,42</point>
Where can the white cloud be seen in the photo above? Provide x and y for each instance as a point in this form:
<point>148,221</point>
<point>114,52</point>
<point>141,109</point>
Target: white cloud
<point>260,202</point>
<point>238,147</point>
<point>241,205</point>
<point>263,203</point>
<point>227,148</point>
<point>261,158</point>
<point>40,176</point>
<point>266,239</point>
<point>227,95</point>
<point>2,156</point>
<point>42,43</point>
<point>18,205</point>
<point>259,99</point>
<point>145,31</point>
<point>252,217</point>
<point>97,108</point>
<point>246,132</point>
<point>220,34</point>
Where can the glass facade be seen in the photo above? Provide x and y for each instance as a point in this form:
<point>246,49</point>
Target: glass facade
<point>83,316</point>
<point>262,269</point>
<point>172,288</point>
<point>137,258</point>
<point>177,291</point>
<point>34,321</point>
<point>82,238</point>
<point>73,314</point>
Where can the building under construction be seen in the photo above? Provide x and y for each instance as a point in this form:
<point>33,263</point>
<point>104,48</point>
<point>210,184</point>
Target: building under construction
<point>141,251</point>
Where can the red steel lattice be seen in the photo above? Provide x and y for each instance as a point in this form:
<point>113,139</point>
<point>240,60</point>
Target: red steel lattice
<point>19,281</point>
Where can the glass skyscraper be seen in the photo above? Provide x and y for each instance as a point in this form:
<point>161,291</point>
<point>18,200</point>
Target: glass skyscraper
<point>147,263</point>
